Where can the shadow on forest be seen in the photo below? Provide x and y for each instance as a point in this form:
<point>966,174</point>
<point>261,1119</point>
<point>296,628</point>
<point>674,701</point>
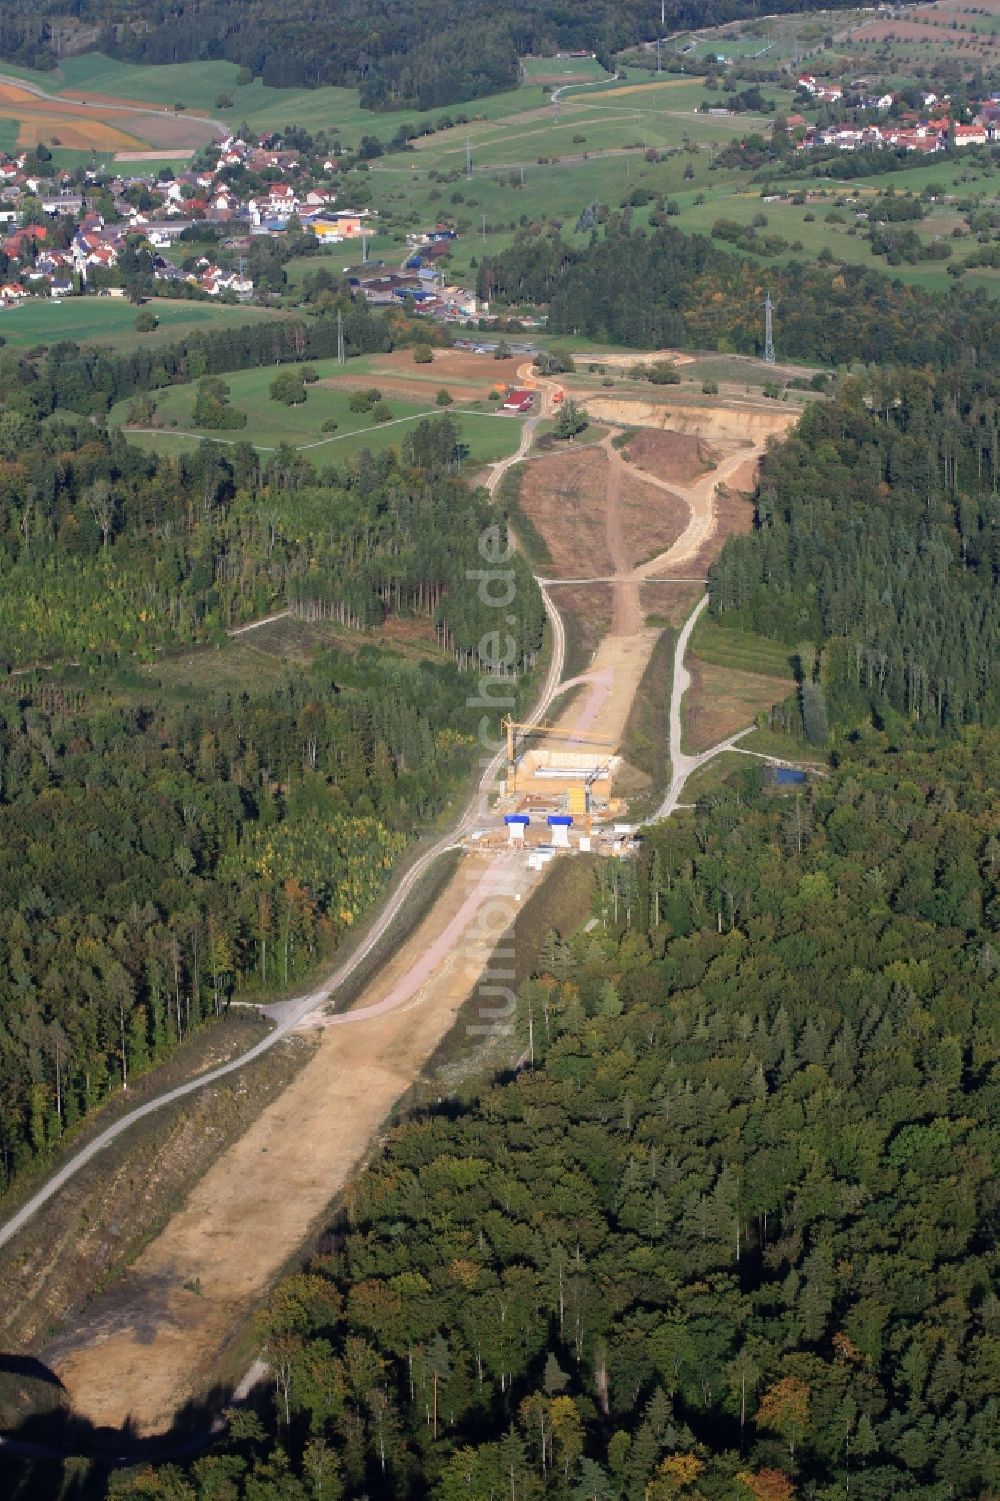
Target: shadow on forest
<point>51,1453</point>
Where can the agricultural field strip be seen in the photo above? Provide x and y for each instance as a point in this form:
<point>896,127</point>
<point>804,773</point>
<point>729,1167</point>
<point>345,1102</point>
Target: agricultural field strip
<point>104,107</point>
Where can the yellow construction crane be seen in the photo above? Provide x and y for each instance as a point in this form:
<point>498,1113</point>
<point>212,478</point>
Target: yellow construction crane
<point>541,727</point>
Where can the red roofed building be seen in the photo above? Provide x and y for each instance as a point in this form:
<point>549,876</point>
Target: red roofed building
<point>519,401</point>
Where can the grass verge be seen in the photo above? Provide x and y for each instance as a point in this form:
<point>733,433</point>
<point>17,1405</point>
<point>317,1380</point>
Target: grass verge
<point>646,745</point>
<point>721,647</point>
<point>530,541</point>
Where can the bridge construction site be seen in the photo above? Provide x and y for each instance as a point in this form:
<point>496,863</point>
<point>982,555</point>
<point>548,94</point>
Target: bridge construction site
<point>557,793</point>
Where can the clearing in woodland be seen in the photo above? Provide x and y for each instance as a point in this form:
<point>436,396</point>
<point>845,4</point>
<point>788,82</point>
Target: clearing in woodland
<point>721,700</point>
<point>156,1339</point>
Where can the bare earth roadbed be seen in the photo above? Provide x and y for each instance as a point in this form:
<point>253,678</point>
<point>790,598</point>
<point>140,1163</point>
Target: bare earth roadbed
<point>144,1349</point>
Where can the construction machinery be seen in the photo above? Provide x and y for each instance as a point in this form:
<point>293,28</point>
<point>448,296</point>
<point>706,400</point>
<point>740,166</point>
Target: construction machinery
<point>579,801</point>
<point>515,729</point>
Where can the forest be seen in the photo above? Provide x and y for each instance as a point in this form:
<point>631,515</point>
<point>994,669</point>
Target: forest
<point>159,860</point>
<point>876,553</point>
<point>89,379</point>
<point>109,553</point>
<point>661,289</point>
<point>733,1232</point>
<point>730,1228</point>
<point>397,52</point>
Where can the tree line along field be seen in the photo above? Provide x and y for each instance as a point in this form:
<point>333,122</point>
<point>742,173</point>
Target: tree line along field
<point>809,231</point>
<point>489,435</point>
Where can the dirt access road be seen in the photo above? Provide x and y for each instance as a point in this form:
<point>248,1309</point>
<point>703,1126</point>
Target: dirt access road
<point>144,1348</point>
<point>152,1343</point>
<point>623,655</point>
<point>289,1014</point>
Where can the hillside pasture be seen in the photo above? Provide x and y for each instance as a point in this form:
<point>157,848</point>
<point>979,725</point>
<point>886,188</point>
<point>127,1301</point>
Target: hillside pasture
<point>98,124</point>
<point>561,70</point>
<point>488,435</point>
<point>110,321</point>
<point>199,85</point>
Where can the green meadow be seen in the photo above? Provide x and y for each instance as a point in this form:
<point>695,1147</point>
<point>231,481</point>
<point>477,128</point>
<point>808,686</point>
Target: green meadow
<point>488,435</point>
<point>571,68</point>
<point>111,321</point>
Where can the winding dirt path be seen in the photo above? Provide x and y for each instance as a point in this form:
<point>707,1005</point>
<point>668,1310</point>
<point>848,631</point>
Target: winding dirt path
<point>702,519</point>
<point>143,1349</point>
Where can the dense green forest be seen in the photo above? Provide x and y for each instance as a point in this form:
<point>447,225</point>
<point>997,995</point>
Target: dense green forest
<point>107,552</point>
<point>876,551</point>
<point>734,1233</point>
<point>662,289</point>
<point>397,52</point>
<point>156,861</point>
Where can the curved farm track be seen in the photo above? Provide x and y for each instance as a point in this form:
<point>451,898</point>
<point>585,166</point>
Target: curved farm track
<point>101,123</point>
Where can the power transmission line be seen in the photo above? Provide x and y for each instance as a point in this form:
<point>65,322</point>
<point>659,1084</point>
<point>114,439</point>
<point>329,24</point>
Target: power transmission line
<point>768,330</point>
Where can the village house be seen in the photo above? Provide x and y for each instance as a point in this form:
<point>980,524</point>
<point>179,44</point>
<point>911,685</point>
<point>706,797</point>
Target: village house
<point>343,224</point>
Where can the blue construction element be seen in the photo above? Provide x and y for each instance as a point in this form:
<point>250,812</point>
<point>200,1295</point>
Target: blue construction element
<point>521,818</point>
<point>560,820</point>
